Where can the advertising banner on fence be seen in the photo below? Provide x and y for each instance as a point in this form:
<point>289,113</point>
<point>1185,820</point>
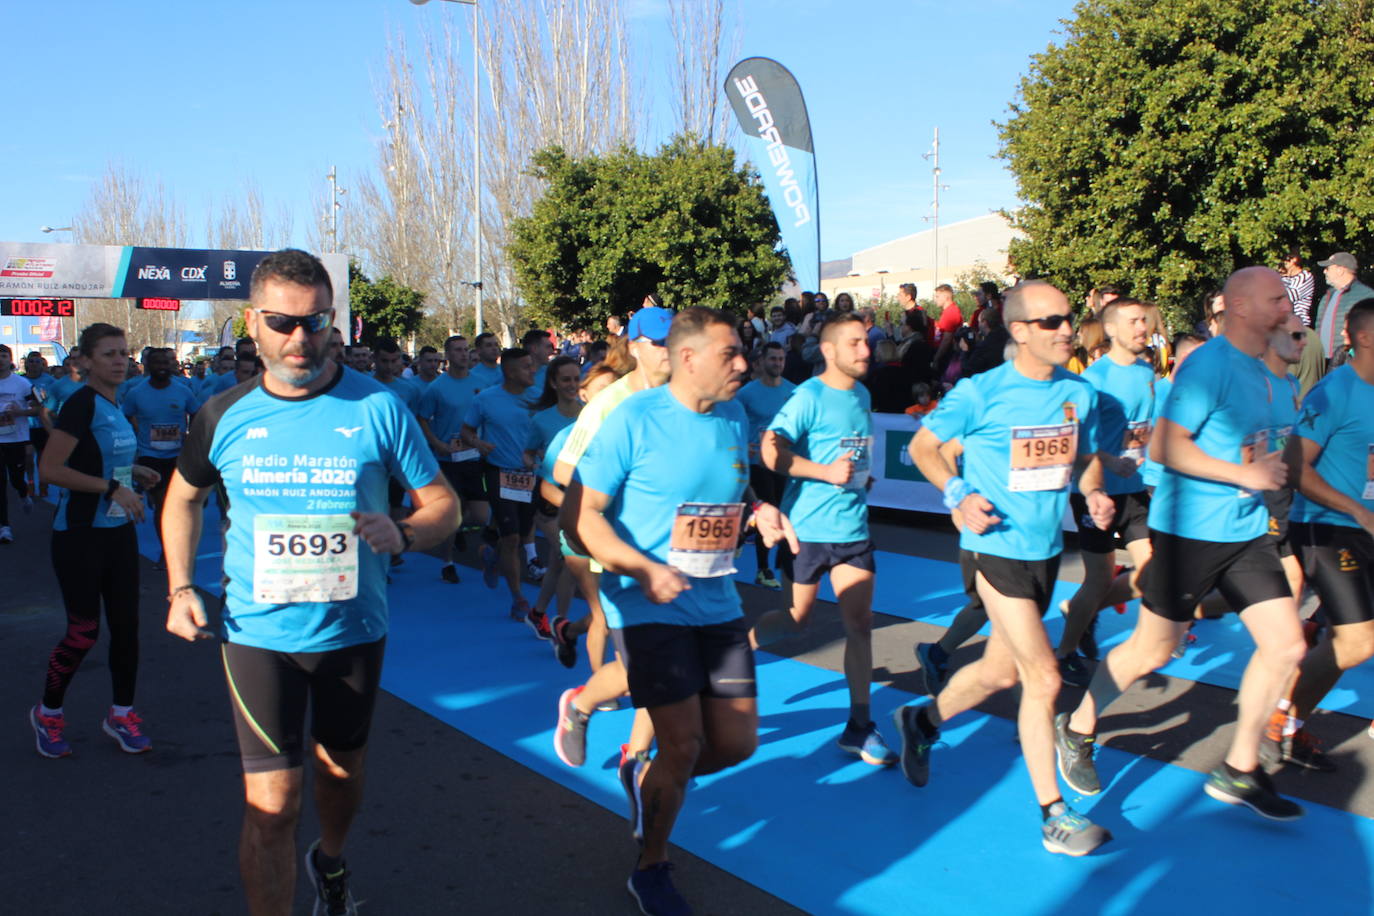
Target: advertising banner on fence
<point>772,114</point>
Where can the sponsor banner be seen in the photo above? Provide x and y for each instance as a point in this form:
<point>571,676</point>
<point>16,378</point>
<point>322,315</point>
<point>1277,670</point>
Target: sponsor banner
<point>40,269</point>
<point>772,114</point>
<point>189,273</point>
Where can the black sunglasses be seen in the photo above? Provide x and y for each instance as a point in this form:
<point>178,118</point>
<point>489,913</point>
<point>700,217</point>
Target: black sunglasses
<point>313,323</point>
<point>1048,323</point>
<point>1299,335</point>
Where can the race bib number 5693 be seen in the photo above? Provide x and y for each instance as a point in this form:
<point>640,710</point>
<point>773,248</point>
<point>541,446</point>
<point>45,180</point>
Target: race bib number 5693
<point>304,558</point>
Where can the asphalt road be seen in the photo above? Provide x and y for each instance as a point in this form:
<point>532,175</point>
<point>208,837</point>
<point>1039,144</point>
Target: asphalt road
<point>449,825</point>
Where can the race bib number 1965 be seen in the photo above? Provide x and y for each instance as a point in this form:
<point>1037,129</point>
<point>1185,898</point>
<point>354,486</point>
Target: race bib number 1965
<point>1042,456</point>
<point>704,539</point>
<point>304,558</point>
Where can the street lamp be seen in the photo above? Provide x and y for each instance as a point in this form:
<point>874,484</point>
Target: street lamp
<point>476,284</point>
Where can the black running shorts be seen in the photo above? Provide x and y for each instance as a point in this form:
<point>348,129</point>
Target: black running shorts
<point>817,558</point>
<point>1183,570</point>
<point>666,663</point>
<point>1339,562</point>
<point>510,516</point>
<point>1130,522</point>
<point>269,692</point>
<point>1032,580</point>
<point>466,479</point>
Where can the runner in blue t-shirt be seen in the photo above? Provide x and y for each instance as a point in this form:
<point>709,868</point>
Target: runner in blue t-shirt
<point>90,455</point>
<point>305,452</point>
<point>388,368</point>
<point>158,410</point>
<point>1209,528</point>
<point>486,369</point>
<point>555,409</point>
<point>822,441</point>
<point>659,500</point>
<point>1026,428</point>
<point>1125,386</point>
<point>498,425</point>
<point>1333,530</point>
<point>762,399</point>
<point>1282,356</point>
<point>441,409</point>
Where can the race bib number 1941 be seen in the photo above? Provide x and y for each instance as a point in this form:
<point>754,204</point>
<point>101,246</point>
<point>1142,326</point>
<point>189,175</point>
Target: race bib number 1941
<point>304,558</point>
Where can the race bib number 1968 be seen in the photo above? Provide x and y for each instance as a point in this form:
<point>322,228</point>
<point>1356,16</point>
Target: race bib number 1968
<point>304,558</point>
<point>704,539</point>
<point>1042,456</point>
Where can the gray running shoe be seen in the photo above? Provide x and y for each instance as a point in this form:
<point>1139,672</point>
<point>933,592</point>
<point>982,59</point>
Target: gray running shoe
<point>1071,834</point>
<point>570,734</point>
<point>332,897</point>
<point>1075,753</point>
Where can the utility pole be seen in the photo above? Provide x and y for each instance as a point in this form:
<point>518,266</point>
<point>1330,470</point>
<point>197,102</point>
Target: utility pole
<point>934,218</point>
<point>334,205</point>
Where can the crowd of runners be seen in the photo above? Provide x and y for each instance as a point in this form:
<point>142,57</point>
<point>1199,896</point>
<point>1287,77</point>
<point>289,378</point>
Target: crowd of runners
<point>647,464</point>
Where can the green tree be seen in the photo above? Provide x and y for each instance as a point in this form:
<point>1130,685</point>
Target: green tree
<point>609,228</point>
<point>386,307</point>
<point>1165,143</point>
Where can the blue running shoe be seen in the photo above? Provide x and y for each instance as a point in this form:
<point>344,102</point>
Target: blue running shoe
<point>932,674</point>
<point>653,890</point>
<point>48,732</point>
<point>867,744</point>
<point>490,577</point>
<point>128,732</point>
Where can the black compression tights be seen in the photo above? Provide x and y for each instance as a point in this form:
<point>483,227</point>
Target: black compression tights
<point>95,566</point>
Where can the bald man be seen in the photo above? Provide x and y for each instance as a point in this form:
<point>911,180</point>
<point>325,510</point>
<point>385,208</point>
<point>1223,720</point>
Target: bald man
<point>1209,529</point>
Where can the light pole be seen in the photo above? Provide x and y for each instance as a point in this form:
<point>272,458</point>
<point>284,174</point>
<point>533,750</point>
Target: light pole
<point>934,155</point>
<point>476,283</point>
<point>76,327</point>
<point>334,205</point>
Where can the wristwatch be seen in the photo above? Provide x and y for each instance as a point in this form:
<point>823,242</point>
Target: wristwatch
<point>407,536</point>
<point>113,485</point>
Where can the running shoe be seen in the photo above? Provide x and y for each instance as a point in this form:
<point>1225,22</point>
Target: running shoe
<point>26,504</point>
<point>611,705</point>
<point>932,675</point>
<point>867,744</point>
<point>1075,753</point>
<point>653,890</point>
<point>631,770</point>
<point>570,734</point>
<point>1067,832</point>
<point>127,730</point>
<point>1185,642</point>
<point>538,621</point>
<point>47,731</point>
<point>6,535</point>
<point>1302,750</point>
<point>520,610</point>
<point>916,745</point>
<point>534,570</point>
<point>449,574</point>
<point>332,897</point>
<point>765,579</point>
<point>564,646</point>
<point>1074,670</point>
<point>490,577</point>
<point>1254,791</point>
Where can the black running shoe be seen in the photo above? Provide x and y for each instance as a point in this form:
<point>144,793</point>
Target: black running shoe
<point>916,745</point>
<point>932,675</point>
<point>332,897</point>
<point>1074,670</point>
<point>1075,753</point>
<point>653,890</point>
<point>449,574</point>
<point>1254,791</point>
<point>564,646</point>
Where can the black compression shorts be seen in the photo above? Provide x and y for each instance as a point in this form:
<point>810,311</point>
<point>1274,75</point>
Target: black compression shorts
<point>1183,570</point>
<point>269,692</point>
<point>1339,562</point>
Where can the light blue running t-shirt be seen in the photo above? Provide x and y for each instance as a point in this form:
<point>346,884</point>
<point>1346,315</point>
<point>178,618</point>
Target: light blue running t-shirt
<point>1338,415</point>
<point>159,416</point>
<point>761,404</point>
<point>823,423</point>
<point>1125,410</point>
<point>503,419</point>
<point>1021,439</point>
<point>655,458</point>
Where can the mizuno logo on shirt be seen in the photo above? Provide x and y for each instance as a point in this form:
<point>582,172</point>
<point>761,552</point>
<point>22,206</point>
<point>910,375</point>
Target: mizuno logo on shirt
<point>347,430</point>
<point>257,432</point>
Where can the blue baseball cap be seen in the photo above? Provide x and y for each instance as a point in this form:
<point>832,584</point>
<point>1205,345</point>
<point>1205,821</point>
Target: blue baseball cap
<point>651,323</point>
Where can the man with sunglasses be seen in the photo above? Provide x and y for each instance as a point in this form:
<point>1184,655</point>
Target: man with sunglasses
<point>304,451</point>
<point>1026,428</point>
<point>1333,529</point>
<point>1209,527</point>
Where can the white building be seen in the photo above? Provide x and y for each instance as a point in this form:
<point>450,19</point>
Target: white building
<point>876,272</point>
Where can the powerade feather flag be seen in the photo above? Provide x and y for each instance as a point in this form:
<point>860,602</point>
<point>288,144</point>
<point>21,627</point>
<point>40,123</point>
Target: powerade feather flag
<point>772,114</point>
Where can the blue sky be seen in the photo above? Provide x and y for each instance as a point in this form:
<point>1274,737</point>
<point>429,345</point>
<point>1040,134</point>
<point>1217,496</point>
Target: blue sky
<point>206,96</point>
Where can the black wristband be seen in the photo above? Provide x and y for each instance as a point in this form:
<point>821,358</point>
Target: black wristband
<point>407,535</point>
<point>110,488</point>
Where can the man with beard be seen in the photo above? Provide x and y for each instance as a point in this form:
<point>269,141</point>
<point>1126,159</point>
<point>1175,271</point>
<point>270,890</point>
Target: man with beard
<point>304,451</point>
<point>158,410</point>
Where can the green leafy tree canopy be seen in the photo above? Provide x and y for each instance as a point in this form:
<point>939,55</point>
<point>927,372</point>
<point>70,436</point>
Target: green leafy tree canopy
<point>1166,143</point>
<point>609,228</point>
<point>387,308</point>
